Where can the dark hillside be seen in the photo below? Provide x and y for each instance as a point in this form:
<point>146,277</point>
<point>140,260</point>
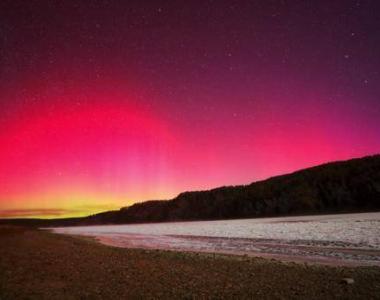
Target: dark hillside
<point>348,186</point>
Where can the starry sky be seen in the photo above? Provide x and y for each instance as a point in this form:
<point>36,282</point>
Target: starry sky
<point>107,103</point>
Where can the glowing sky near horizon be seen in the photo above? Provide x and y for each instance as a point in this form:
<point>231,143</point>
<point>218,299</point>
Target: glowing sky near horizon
<point>106,103</point>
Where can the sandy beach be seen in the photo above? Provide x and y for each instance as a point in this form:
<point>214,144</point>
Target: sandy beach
<point>37,264</point>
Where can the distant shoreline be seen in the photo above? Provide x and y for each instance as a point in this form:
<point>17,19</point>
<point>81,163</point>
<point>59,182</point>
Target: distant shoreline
<point>350,186</point>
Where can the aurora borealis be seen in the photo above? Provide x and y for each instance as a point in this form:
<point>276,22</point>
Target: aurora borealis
<point>106,103</point>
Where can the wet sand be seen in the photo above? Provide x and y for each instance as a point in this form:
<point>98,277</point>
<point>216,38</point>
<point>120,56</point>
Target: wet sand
<point>42,265</point>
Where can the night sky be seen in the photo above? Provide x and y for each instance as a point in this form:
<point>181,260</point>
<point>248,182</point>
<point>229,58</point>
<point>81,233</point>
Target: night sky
<point>105,103</point>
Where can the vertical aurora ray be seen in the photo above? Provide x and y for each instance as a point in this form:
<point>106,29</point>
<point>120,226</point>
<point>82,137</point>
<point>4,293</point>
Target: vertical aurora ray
<point>109,103</point>
<point>92,157</point>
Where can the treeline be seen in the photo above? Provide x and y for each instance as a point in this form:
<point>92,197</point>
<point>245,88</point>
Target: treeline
<point>349,186</point>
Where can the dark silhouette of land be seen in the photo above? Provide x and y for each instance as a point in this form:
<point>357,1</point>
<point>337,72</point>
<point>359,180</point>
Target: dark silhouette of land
<point>337,187</point>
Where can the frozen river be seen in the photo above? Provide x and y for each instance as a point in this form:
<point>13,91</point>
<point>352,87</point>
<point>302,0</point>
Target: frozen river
<point>347,239</point>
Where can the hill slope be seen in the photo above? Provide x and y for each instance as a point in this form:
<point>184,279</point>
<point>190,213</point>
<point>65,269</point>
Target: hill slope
<point>348,186</point>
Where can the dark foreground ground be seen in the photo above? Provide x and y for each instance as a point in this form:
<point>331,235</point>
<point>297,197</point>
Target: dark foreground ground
<point>41,265</point>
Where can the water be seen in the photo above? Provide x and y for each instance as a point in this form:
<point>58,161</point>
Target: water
<point>346,239</point>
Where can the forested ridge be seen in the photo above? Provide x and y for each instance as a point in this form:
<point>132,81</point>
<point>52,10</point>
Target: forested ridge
<point>347,186</point>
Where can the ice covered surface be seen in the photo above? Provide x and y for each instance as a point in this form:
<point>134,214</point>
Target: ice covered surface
<point>361,229</point>
<point>341,237</point>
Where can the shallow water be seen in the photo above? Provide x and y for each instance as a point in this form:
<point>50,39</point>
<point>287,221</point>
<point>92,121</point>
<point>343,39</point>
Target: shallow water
<point>347,239</point>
